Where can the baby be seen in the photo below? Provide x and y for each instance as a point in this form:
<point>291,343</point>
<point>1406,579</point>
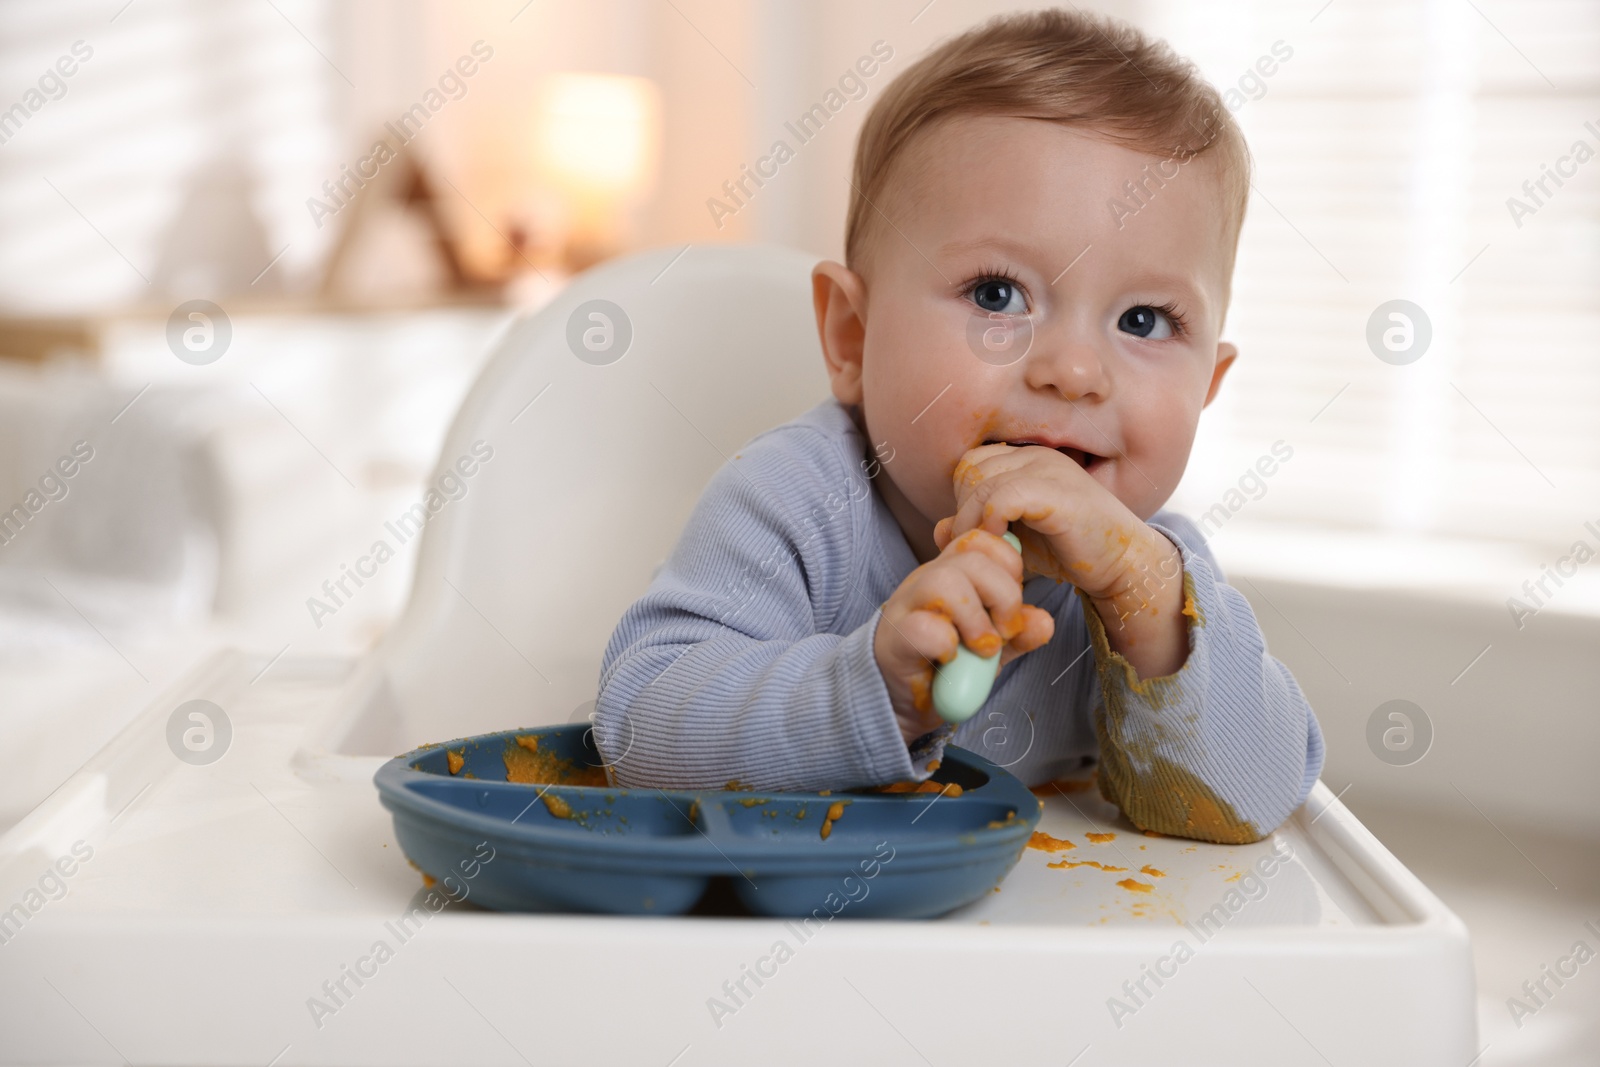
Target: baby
<point>1038,255</point>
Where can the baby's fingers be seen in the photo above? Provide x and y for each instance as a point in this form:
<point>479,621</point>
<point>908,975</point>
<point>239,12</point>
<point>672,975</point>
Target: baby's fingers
<point>929,635</point>
<point>1037,627</point>
<point>992,506</point>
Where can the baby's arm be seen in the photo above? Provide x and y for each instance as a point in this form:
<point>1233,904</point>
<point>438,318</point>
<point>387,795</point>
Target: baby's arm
<point>725,669</point>
<point>1226,747</point>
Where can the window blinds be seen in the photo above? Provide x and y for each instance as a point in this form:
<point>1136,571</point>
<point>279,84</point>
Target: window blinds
<point>1386,149</point>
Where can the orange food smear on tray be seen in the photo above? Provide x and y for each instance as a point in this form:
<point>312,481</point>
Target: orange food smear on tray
<point>1152,871</point>
<point>1045,843</point>
<point>1063,864</point>
<point>1136,887</point>
<point>835,810</point>
<point>528,764</point>
<point>1100,839</point>
<point>455,760</point>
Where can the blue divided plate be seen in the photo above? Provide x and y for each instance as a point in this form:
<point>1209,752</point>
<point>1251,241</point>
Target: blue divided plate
<point>514,846</point>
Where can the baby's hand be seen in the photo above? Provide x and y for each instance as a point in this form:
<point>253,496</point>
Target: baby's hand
<point>970,594</point>
<point>1071,527</point>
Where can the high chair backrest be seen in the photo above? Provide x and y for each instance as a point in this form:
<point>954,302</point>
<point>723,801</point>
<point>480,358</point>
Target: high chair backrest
<point>568,474</point>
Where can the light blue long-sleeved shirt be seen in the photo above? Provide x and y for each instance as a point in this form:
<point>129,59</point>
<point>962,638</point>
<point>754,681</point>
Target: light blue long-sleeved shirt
<point>750,658</point>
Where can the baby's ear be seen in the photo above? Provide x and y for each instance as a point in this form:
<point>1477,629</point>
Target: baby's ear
<point>1226,354</point>
<point>839,296</point>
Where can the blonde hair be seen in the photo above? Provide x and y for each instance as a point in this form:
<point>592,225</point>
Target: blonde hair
<point>1089,72</point>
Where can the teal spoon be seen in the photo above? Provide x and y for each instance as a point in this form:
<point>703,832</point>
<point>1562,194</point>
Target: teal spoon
<point>961,686</point>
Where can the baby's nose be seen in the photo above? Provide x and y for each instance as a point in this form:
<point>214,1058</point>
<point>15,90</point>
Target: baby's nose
<point>1073,368</point>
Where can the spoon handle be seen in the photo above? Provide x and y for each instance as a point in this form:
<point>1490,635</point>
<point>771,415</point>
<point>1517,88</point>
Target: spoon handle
<point>961,686</point>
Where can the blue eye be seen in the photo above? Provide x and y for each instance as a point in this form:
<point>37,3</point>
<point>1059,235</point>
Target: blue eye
<point>1147,322</point>
<point>998,296</point>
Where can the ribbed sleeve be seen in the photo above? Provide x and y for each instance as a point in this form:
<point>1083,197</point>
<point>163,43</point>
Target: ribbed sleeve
<point>750,657</point>
<point>1224,748</point>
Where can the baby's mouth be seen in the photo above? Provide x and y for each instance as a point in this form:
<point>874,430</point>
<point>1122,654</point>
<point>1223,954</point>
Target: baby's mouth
<point>1086,460</point>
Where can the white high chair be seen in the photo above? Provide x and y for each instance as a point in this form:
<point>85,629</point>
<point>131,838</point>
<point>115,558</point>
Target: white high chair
<point>595,470</point>
<point>220,899</point>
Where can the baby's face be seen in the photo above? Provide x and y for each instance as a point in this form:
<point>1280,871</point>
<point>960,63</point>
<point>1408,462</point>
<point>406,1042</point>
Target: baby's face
<point>1005,230</point>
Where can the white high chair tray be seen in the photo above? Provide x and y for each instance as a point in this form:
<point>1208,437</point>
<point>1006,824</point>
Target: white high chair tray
<point>216,902</point>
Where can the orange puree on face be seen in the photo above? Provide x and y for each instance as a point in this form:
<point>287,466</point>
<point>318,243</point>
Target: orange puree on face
<point>1045,843</point>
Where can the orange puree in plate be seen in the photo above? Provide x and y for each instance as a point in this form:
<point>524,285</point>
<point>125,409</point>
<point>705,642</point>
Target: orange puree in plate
<point>927,786</point>
<point>527,764</point>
